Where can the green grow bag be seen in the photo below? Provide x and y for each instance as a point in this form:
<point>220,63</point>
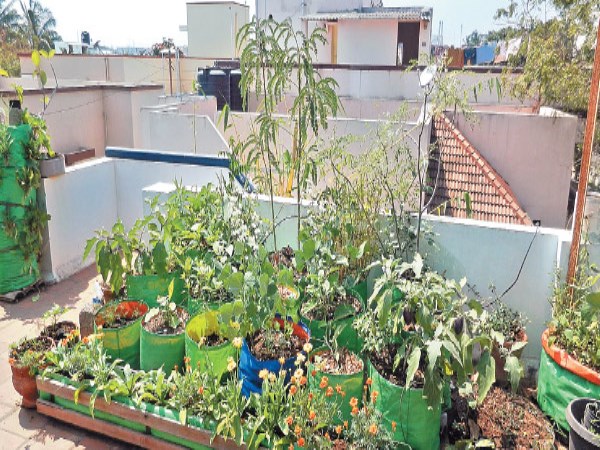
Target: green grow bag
<point>348,337</point>
<point>13,213</point>
<point>158,350</point>
<point>557,387</point>
<point>149,287</point>
<point>124,342</point>
<point>416,424</point>
<point>17,272</point>
<point>208,359</point>
<point>352,385</point>
<point>16,154</point>
<point>10,190</point>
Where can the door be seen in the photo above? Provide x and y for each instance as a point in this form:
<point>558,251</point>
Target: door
<point>408,36</point>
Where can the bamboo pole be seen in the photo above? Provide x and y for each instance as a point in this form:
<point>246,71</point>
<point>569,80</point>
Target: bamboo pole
<point>585,164</point>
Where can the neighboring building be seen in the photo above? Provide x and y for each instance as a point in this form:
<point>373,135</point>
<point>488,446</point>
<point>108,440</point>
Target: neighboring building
<point>212,28</point>
<point>358,33</point>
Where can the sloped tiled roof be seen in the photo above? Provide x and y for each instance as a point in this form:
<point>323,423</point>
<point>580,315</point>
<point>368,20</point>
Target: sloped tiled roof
<point>459,168</point>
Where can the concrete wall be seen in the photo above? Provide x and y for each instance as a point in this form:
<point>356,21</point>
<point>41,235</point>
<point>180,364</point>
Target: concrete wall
<point>370,42</point>
<point>93,195</point>
<point>533,153</point>
<point>213,27</point>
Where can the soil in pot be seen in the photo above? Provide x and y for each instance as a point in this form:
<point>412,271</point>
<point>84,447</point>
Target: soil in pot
<point>274,344</point>
<point>384,363</point>
<point>59,330</point>
<point>156,324</point>
<point>342,363</point>
<point>119,315</point>
<point>513,421</point>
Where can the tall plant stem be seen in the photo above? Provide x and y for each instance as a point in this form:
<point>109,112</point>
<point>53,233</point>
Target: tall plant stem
<point>269,168</point>
<point>420,175</point>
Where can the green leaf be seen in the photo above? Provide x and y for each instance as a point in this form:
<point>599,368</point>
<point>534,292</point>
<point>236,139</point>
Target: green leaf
<point>515,371</point>
<point>3,73</point>
<point>159,256</point>
<point>183,416</point>
<point>434,351</point>
<point>487,375</point>
<point>413,365</point>
<point>593,299</point>
<point>171,288</point>
<point>35,58</point>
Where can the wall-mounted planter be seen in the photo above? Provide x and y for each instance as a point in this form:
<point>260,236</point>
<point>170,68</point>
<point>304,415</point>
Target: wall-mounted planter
<point>52,167</point>
<point>562,379</point>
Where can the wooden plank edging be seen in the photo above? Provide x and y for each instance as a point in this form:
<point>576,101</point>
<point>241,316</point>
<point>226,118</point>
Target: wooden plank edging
<point>147,419</point>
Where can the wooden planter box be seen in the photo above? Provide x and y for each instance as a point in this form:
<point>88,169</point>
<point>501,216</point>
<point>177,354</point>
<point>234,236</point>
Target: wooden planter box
<point>123,421</point>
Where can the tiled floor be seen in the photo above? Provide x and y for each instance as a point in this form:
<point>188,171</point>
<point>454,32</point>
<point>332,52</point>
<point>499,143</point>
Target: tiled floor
<point>26,429</point>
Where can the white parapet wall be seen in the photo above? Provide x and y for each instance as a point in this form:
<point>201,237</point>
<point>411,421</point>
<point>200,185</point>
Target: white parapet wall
<point>520,260</point>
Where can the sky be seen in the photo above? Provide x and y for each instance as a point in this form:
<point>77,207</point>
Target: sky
<point>143,22</point>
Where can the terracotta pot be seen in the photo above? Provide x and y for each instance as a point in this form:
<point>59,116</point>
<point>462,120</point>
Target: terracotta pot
<point>24,384</point>
<point>501,375</point>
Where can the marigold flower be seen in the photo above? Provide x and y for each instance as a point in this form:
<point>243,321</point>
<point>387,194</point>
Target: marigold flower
<point>297,430</point>
<point>393,425</point>
<point>354,411</point>
<point>293,380</point>
<point>324,382</point>
<point>327,436</point>
<point>301,442</point>
<point>312,415</point>
<point>201,390</point>
<point>374,396</point>
<point>369,381</point>
<point>282,360</point>
<point>293,389</point>
<point>307,347</point>
<point>289,420</point>
<point>291,447</point>
<point>353,402</point>
<point>338,389</point>
<point>310,395</point>
<point>346,424</point>
<point>237,342</point>
<point>85,340</point>
<point>263,374</point>
<point>313,373</point>
<point>187,360</point>
<point>231,364</point>
<point>302,381</point>
<point>373,429</point>
<point>329,392</point>
<point>338,430</point>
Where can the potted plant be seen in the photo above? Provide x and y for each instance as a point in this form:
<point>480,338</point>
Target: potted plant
<point>338,371</point>
<point>119,323</point>
<point>162,339</point>
<point>214,336</point>
<point>26,358</point>
<point>583,416</point>
<point>56,330</point>
<point>412,343</point>
<point>570,362</point>
<point>507,328</point>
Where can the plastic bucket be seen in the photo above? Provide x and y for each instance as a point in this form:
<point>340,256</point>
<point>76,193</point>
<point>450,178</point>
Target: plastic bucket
<point>124,342</point>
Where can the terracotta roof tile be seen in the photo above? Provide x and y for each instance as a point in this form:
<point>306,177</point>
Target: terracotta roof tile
<point>462,169</point>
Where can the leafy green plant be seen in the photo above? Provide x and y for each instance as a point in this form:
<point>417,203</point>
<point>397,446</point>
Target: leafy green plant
<point>53,314</point>
<point>5,143</point>
<point>30,353</point>
<point>166,311</point>
<point>422,329</point>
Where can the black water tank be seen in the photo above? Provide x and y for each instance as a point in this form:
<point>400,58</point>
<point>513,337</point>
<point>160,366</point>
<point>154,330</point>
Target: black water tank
<point>85,38</point>
<point>235,93</point>
<point>214,82</point>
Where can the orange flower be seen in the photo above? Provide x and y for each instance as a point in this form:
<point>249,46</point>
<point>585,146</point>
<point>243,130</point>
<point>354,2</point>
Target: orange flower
<point>354,411</point>
<point>338,429</point>
<point>346,424</point>
<point>312,415</point>
<point>293,379</point>
<point>310,396</point>
<point>324,382</point>
<point>293,389</point>
<point>393,426</point>
<point>338,389</point>
<point>201,390</point>
<point>85,340</point>
<point>353,402</point>
<point>301,442</point>
<point>291,447</point>
<point>297,430</point>
<point>374,396</point>
<point>329,392</point>
<point>373,429</point>
<point>314,373</point>
<point>327,436</point>
<point>289,420</point>
<point>369,382</point>
<point>187,359</point>
<point>303,381</point>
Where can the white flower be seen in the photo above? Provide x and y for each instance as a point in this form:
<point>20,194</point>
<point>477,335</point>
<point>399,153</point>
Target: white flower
<point>307,347</point>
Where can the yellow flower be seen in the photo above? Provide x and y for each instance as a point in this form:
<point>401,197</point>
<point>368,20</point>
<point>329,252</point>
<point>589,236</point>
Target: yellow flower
<point>308,347</point>
<point>231,365</point>
<point>272,377</point>
<point>282,360</point>
<point>300,358</point>
<point>237,342</point>
<point>235,325</point>
<point>298,373</point>
<point>263,374</point>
